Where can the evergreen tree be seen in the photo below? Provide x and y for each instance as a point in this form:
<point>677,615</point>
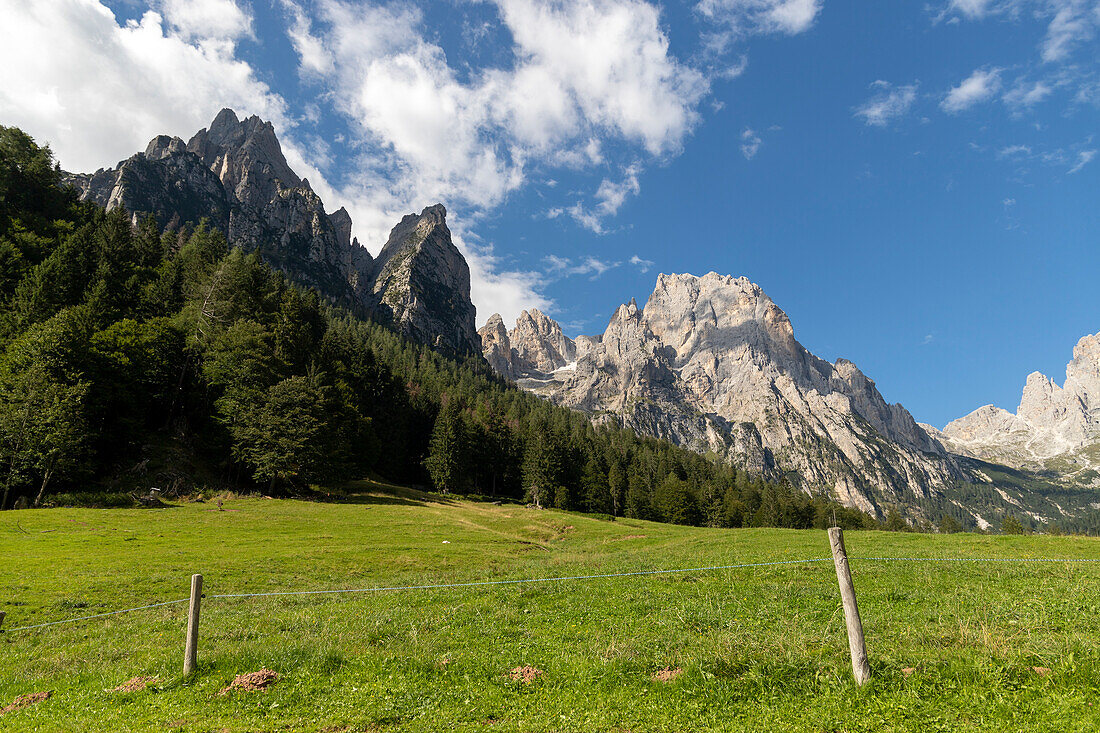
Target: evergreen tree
<point>446,461</point>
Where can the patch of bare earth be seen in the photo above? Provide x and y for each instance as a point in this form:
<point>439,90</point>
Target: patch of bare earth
<point>526,674</point>
<point>135,684</point>
<point>908,670</point>
<point>252,682</point>
<point>25,701</point>
<point>668,674</point>
<point>1041,671</point>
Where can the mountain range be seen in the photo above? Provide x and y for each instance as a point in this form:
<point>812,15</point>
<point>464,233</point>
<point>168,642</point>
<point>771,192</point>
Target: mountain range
<point>710,363</point>
<point>234,176</point>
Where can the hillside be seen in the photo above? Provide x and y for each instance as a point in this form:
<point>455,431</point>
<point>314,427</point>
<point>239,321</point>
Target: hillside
<point>952,645</point>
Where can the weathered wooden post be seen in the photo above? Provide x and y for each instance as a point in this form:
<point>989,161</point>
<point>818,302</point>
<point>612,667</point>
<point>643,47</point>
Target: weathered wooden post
<point>860,668</point>
<point>191,651</point>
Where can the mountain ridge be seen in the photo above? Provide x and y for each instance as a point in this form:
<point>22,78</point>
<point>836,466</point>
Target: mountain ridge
<point>234,175</point>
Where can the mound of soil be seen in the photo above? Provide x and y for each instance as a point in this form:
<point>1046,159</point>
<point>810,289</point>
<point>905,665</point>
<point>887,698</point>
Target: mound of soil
<point>668,674</point>
<point>526,674</point>
<point>252,682</point>
<point>25,701</point>
<point>135,684</point>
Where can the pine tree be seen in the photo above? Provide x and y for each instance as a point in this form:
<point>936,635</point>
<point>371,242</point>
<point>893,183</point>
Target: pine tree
<point>447,450</point>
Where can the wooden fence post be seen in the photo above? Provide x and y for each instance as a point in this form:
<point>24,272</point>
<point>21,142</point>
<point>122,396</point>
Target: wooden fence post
<point>860,668</point>
<point>191,651</point>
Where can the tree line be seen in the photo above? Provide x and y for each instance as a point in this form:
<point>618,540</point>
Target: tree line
<point>119,341</point>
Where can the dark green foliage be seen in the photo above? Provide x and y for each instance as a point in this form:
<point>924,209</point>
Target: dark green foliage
<point>1011,525</point>
<point>115,337</point>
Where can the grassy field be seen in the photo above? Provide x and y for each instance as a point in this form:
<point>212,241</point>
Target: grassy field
<point>952,645</point>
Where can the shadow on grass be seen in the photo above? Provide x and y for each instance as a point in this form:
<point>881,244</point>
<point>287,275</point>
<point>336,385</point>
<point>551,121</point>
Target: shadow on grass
<point>370,491</point>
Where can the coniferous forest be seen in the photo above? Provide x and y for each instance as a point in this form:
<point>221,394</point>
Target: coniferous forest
<point>123,346</point>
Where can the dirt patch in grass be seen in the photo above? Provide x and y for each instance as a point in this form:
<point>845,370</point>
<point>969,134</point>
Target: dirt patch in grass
<point>252,682</point>
<point>135,684</point>
<point>526,674</point>
<point>908,670</point>
<point>25,701</point>
<point>668,674</point>
<point>1041,671</point>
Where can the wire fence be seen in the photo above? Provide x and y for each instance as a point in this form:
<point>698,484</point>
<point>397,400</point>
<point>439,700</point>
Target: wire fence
<point>482,583</point>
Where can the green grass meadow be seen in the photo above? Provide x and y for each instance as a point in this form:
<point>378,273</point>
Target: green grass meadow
<point>952,645</point>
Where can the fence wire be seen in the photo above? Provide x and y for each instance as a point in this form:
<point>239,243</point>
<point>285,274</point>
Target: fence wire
<point>482,583</point>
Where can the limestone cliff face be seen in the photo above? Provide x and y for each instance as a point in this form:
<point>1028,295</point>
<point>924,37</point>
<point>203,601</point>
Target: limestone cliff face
<point>421,284</point>
<point>712,364</point>
<point>1054,426</point>
<point>235,176</point>
<point>496,347</point>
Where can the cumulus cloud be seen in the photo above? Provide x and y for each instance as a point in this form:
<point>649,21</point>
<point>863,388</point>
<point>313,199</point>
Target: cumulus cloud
<point>763,16</point>
<point>977,88</point>
<point>888,103</point>
<point>105,89</point>
<point>207,19</point>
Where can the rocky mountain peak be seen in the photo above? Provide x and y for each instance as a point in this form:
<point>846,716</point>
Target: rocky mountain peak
<point>538,340</point>
<point>496,346</point>
<point>162,146</point>
<point>234,175</point>
<point>341,222</point>
<point>1052,421</point>
<point>245,155</point>
<point>711,363</point>
<point>421,283</point>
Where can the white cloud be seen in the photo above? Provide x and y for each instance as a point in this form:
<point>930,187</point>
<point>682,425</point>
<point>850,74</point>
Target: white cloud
<point>887,103</point>
<point>97,92</point>
<point>1027,95</point>
<point>1013,151</point>
<point>763,16</point>
<point>207,19</point>
<point>315,59</point>
<point>611,194</point>
<point>563,266</point>
<point>1083,158</point>
<point>750,143</point>
<point>977,88</point>
<point>1074,23</point>
<point>610,197</point>
<point>971,8</point>
<point>507,292</point>
<point>641,264</point>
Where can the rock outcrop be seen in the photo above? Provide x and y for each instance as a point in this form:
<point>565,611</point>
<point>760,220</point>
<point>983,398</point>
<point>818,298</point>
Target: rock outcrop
<point>234,175</point>
<point>711,363</point>
<point>1054,426</point>
<point>421,284</point>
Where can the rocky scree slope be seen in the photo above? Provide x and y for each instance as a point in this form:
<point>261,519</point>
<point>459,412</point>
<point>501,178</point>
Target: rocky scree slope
<point>712,363</point>
<point>1055,429</point>
<point>234,175</point>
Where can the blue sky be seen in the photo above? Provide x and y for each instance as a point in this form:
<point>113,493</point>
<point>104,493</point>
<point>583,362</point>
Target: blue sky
<point>914,183</point>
